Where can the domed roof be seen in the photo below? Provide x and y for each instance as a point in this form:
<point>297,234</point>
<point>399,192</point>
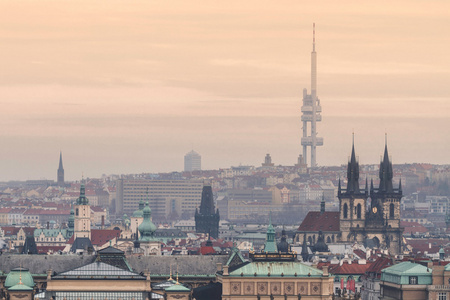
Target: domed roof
<point>320,246</point>
<point>283,245</point>
<point>14,277</point>
<point>147,228</point>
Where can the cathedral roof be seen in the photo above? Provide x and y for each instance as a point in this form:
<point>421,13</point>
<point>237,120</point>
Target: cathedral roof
<point>316,221</point>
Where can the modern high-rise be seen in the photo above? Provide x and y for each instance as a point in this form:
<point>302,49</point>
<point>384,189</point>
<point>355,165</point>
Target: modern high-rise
<point>60,173</point>
<point>192,161</point>
<point>167,198</point>
<point>311,110</point>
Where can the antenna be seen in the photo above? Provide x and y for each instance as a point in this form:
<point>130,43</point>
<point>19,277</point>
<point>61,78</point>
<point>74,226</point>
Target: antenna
<point>314,37</point>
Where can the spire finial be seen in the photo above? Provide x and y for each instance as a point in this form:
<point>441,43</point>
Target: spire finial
<point>177,274</point>
<point>353,137</point>
<point>385,139</point>
<point>170,277</point>
<point>314,37</point>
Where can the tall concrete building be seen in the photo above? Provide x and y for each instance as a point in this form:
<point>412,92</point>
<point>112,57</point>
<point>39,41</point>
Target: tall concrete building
<point>192,161</point>
<point>166,197</point>
<point>311,110</point>
<point>60,173</point>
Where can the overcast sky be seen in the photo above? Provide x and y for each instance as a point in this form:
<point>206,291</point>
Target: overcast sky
<point>132,86</point>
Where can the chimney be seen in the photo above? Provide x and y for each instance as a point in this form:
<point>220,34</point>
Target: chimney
<point>225,270</point>
<point>325,271</point>
<point>48,225</point>
<point>219,267</point>
<point>103,222</point>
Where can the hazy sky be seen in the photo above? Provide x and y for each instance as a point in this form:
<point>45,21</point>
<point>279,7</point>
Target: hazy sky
<point>131,86</point>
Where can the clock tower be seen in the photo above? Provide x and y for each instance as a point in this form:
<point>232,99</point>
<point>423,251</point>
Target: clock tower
<point>82,215</point>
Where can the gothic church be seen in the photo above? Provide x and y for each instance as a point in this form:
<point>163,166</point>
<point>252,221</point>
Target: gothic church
<point>370,217</point>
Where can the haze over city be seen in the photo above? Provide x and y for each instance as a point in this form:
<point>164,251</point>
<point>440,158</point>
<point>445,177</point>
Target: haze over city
<point>130,87</point>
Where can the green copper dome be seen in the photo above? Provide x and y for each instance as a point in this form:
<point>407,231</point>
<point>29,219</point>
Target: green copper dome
<point>82,200</point>
<point>15,275</point>
<point>140,212</point>
<point>147,228</point>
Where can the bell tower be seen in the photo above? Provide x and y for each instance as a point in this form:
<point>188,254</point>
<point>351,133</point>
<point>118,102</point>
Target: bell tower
<point>82,215</point>
<point>352,202</point>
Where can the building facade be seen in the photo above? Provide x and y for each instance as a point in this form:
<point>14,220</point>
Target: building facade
<point>166,197</point>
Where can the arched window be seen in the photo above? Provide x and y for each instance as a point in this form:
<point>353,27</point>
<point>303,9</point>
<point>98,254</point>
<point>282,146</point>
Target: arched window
<point>310,240</point>
<point>391,211</point>
<point>332,238</point>
<point>358,211</point>
<point>345,211</point>
<point>328,240</point>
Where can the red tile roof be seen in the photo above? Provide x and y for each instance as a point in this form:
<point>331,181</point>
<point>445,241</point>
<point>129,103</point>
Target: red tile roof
<point>315,221</point>
<point>102,236</point>
<point>379,264</point>
<point>349,269</point>
<point>413,227</point>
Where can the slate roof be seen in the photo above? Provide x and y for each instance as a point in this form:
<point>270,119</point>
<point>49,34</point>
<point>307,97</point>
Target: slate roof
<point>315,221</point>
<point>195,265</point>
<point>81,243</point>
<point>99,270</point>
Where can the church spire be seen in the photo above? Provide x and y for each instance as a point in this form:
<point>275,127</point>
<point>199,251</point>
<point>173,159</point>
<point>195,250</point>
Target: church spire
<point>353,172</point>
<point>270,245</point>
<point>386,172</point>
<point>60,172</point>
<point>322,204</point>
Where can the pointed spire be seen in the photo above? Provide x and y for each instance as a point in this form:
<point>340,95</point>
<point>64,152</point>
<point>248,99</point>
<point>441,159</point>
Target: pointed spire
<point>353,171</point>
<point>366,188</point>
<point>400,186</point>
<point>60,161</point>
<point>371,186</point>
<point>339,186</point>
<point>386,172</point>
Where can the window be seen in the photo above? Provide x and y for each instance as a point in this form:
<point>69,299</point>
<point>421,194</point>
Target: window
<point>412,279</point>
<point>391,211</point>
<point>358,211</point>
<point>345,210</point>
<point>442,296</point>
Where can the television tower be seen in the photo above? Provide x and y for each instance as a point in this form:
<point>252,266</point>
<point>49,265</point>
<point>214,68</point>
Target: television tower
<point>311,110</point>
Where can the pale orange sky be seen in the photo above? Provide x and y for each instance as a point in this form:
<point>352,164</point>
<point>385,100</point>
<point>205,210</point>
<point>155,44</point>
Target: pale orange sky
<point>131,86</point>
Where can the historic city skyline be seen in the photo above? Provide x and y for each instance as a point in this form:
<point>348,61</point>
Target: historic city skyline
<point>131,87</point>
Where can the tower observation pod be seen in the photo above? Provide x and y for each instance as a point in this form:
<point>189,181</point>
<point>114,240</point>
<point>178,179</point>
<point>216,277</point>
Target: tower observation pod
<point>311,110</point>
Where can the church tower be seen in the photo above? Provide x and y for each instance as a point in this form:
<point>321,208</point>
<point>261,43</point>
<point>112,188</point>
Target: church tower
<point>82,222</point>
<point>383,217</point>
<point>352,202</point>
<point>60,175</point>
<point>207,220</point>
